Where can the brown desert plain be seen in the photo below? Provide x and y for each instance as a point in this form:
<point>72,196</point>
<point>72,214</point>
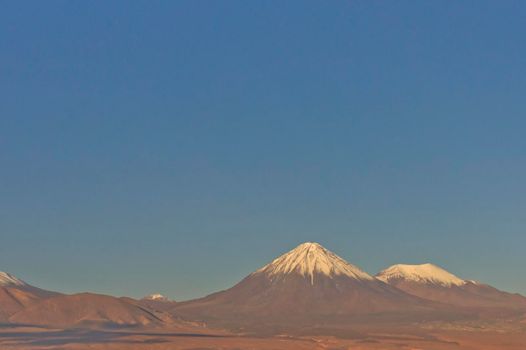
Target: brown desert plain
<point>308,298</point>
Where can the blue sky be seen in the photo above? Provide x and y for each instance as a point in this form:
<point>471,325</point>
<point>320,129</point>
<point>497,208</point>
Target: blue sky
<point>175,147</point>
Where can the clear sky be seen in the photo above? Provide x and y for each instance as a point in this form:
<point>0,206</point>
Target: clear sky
<point>175,147</point>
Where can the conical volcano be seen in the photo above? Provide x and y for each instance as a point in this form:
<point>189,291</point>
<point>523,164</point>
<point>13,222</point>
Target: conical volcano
<point>304,284</point>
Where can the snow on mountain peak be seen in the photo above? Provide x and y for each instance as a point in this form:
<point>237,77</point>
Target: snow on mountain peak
<point>309,259</point>
<point>424,273</point>
<point>156,297</point>
<point>7,279</point>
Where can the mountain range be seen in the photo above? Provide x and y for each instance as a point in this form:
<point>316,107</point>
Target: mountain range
<point>308,286</point>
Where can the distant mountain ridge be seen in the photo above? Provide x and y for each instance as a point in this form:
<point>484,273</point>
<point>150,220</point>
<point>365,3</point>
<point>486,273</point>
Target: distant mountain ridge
<point>305,287</point>
<point>86,309</point>
<point>22,303</point>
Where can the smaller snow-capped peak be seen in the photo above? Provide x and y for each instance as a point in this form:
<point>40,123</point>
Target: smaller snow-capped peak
<point>156,297</point>
<point>309,259</point>
<point>7,279</point>
<point>424,273</point>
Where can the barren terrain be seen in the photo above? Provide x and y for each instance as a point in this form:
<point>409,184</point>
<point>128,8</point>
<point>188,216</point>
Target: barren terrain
<point>509,335</point>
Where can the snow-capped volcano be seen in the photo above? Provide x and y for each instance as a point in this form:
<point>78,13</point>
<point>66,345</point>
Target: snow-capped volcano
<point>7,279</point>
<point>424,273</point>
<point>301,286</point>
<point>309,259</point>
<point>431,282</point>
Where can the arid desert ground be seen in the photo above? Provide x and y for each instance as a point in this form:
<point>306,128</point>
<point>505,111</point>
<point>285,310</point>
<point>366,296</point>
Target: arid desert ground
<point>507,336</point>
